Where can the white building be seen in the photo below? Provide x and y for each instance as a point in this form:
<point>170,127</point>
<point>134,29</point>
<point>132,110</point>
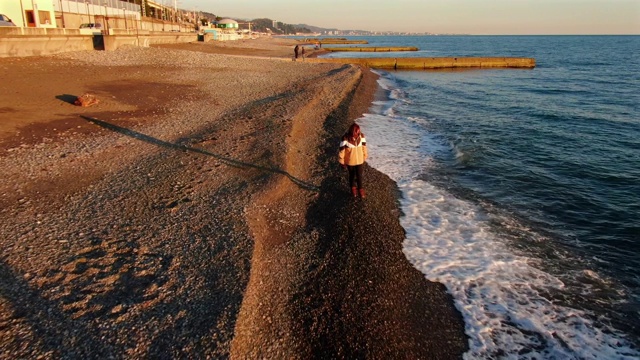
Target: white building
<point>30,13</point>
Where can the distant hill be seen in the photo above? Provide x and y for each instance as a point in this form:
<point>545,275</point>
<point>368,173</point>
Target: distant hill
<point>315,29</point>
<point>264,25</point>
<point>324,31</point>
<point>280,28</point>
<point>268,25</point>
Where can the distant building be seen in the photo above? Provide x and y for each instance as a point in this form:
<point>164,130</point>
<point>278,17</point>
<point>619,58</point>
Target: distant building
<point>223,30</point>
<point>229,24</point>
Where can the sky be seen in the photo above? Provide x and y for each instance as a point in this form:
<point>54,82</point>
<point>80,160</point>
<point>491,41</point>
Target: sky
<point>478,17</point>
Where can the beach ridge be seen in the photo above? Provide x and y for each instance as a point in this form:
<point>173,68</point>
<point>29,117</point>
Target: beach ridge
<point>199,211</point>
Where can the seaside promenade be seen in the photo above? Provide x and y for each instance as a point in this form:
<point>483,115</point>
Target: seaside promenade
<point>198,211</point>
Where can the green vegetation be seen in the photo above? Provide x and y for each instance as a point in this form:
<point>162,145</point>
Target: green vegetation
<point>267,25</point>
<point>261,25</point>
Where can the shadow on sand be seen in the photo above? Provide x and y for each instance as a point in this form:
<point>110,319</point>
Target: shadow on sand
<point>226,160</point>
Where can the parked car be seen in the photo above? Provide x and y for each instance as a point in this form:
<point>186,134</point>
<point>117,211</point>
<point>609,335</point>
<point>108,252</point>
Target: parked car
<point>5,21</point>
<point>91,26</point>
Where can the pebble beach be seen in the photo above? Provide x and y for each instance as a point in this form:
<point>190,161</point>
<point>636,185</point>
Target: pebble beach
<point>198,211</point>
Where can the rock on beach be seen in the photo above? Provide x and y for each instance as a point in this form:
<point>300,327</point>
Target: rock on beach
<point>198,211</point>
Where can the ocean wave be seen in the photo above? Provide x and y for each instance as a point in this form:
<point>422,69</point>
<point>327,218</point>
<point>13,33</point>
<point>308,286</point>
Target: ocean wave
<point>514,286</point>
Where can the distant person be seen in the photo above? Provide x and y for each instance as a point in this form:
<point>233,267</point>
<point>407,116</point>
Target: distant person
<point>303,53</point>
<point>352,155</point>
<point>295,51</point>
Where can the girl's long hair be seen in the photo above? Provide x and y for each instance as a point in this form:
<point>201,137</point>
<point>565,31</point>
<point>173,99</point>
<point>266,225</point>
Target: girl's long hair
<point>354,131</point>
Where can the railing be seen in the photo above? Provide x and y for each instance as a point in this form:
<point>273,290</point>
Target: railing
<point>97,7</point>
<point>14,30</point>
<point>20,31</point>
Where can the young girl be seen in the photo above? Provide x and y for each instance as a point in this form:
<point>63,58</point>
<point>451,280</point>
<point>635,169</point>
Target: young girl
<point>352,155</point>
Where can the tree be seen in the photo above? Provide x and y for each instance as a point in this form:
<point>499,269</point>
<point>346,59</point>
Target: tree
<point>261,25</point>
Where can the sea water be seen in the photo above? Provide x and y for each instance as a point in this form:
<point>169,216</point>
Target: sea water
<point>521,188</point>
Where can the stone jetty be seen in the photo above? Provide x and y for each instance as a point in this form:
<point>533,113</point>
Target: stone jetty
<point>335,41</point>
<point>371,49</point>
<point>434,63</point>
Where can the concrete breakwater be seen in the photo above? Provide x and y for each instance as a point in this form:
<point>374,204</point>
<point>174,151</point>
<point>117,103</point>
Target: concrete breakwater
<point>434,63</point>
<point>336,41</point>
<point>371,49</point>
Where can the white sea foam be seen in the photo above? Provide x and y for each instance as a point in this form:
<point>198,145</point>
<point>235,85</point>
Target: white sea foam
<point>501,295</point>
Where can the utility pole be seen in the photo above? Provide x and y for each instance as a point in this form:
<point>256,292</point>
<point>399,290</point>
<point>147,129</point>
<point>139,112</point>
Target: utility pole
<point>106,17</point>
<point>175,13</point>
<point>61,10</point>
<point>24,23</point>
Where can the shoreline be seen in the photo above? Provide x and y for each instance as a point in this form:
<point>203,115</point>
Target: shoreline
<point>176,226</point>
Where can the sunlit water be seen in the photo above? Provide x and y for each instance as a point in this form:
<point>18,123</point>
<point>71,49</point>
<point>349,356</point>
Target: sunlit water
<point>521,188</point>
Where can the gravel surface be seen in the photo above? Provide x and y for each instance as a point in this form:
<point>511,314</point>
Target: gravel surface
<point>198,212</point>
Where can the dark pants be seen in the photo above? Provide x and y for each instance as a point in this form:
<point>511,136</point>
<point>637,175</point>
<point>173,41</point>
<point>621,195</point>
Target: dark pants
<point>355,175</point>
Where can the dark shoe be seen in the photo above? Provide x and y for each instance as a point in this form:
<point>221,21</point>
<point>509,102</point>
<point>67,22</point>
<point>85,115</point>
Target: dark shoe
<point>362,194</point>
<point>354,191</point>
